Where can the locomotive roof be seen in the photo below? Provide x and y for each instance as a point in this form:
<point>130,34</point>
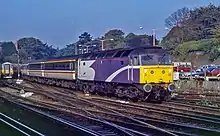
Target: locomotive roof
<point>107,53</point>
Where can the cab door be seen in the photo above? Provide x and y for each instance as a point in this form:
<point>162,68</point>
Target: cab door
<point>75,67</point>
<point>130,65</point>
<point>78,68</point>
<point>134,61</point>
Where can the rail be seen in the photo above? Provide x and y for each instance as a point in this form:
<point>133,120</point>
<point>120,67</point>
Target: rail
<point>71,102</point>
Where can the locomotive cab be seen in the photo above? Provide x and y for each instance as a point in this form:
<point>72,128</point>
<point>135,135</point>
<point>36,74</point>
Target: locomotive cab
<point>156,71</point>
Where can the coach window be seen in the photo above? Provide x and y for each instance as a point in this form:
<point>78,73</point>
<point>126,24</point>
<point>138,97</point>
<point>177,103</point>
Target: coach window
<point>67,66</point>
<point>72,66</point>
<point>55,66</point>
<point>58,66</point>
<point>63,66</point>
<point>42,66</point>
<point>51,66</point>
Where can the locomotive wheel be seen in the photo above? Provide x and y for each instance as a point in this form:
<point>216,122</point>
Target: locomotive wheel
<point>167,96</point>
<point>155,95</point>
<point>133,93</point>
<point>119,91</point>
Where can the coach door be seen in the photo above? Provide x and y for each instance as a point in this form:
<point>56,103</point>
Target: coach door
<point>42,69</point>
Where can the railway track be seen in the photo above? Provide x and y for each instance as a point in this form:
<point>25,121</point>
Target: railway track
<point>166,116</point>
<point>18,126</point>
<point>18,117</point>
<point>80,100</point>
<point>89,114</point>
<point>198,102</point>
<point>166,106</point>
<point>199,120</point>
<point>196,94</point>
<point>141,119</point>
<point>97,127</point>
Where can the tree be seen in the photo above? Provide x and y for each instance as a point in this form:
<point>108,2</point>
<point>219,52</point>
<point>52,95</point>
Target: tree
<point>201,24</point>
<point>217,34</point>
<point>118,39</point>
<point>177,17</point>
<point>11,58</point>
<point>35,49</point>
<point>67,51</point>
<point>8,48</point>
<point>7,52</point>
<point>133,40</point>
<point>175,36</point>
<point>130,36</point>
<point>205,20</point>
<point>84,38</point>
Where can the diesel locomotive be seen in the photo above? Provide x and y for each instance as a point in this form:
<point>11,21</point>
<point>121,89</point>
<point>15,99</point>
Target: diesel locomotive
<point>143,73</point>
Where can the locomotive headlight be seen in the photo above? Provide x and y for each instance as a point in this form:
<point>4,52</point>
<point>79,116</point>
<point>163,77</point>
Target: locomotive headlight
<point>152,72</point>
<point>163,72</point>
<point>145,70</point>
<point>147,88</point>
<point>171,87</point>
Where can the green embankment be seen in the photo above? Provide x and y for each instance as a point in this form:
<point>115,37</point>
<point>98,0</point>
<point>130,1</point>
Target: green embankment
<point>199,52</point>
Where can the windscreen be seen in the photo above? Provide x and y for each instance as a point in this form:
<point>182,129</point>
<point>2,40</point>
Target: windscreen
<point>155,59</point>
<point>7,67</point>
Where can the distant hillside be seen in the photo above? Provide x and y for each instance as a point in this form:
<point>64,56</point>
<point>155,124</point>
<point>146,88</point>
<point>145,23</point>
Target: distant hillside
<point>198,52</point>
<point>194,34</point>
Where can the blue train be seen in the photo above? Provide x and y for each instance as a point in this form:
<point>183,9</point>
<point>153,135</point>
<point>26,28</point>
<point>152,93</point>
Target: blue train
<point>143,73</point>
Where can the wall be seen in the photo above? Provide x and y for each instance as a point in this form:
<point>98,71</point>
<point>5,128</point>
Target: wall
<point>198,85</point>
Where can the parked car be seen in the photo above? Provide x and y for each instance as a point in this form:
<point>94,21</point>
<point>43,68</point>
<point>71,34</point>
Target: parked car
<point>215,72</point>
<point>198,72</point>
<point>201,71</point>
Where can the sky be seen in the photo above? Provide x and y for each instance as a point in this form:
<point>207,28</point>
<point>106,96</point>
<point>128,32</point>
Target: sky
<point>60,22</point>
